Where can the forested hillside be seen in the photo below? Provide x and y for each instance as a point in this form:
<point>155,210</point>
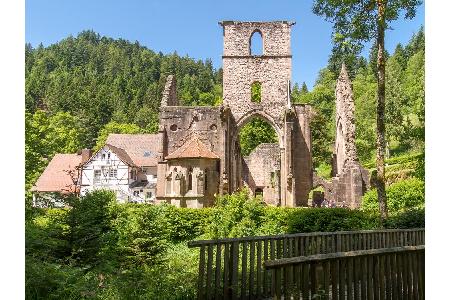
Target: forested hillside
<point>83,88</point>
<point>405,101</point>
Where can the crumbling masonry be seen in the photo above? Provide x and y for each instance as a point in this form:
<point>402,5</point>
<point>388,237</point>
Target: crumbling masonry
<point>199,153</point>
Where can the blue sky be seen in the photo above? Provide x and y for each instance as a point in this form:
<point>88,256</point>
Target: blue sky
<point>191,27</point>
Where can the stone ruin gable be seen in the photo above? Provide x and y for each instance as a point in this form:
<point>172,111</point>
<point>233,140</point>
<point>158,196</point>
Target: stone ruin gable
<point>179,123</point>
<point>261,169</point>
<point>169,95</point>
<point>350,180</point>
<point>301,151</point>
<point>344,149</point>
<point>272,69</point>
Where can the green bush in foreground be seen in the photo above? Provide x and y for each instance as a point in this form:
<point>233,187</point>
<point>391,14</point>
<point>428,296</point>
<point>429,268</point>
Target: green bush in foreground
<point>99,249</point>
<point>402,195</point>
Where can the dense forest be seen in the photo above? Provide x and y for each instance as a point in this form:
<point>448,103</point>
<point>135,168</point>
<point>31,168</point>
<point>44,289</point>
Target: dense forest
<point>83,88</point>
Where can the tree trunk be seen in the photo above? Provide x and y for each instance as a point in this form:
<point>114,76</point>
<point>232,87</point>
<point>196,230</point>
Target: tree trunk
<point>381,139</point>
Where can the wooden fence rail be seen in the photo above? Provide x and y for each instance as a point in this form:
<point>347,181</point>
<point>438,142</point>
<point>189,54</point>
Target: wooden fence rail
<point>390,273</point>
<point>233,268</point>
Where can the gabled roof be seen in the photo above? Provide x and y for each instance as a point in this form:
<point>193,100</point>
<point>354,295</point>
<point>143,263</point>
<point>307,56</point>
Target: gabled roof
<point>122,154</point>
<point>59,175</point>
<point>193,148</point>
<point>141,148</point>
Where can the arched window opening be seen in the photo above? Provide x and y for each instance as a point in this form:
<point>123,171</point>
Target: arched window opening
<point>256,43</point>
<point>190,179</point>
<point>256,92</point>
<point>255,132</point>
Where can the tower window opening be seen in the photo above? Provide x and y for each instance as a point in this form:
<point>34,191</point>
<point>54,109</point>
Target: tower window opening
<point>256,43</point>
<point>256,92</point>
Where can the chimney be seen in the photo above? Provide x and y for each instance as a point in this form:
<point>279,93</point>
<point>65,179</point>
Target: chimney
<point>85,155</point>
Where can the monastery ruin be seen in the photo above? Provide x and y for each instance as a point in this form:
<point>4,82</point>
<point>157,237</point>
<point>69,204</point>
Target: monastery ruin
<point>196,154</point>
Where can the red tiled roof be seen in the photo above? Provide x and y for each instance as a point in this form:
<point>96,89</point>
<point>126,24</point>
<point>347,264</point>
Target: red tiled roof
<point>193,148</point>
<point>122,154</point>
<point>59,175</point>
<point>141,148</point>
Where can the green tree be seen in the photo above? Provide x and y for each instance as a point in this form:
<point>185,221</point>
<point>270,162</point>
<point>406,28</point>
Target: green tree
<point>46,135</point>
<point>414,88</point>
<point>360,22</point>
<point>255,132</point>
<point>395,98</point>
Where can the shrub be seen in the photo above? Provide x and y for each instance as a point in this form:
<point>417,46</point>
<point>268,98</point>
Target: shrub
<point>139,235</point>
<point>401,195</point>
<point>410,218</point>
<point>186,223</point>
<point>91,219</point>
<point>47,235</point>
<point>236,215</point>
<point>329,219</point>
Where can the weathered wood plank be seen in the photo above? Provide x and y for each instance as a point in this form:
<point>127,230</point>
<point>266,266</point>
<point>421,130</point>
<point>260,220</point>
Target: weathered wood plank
<point>244,271</point>
<point>259,272</point>
<point>251,278</point>
<point>201,274</point>
<point>234,269</point>
<point>226,271</point>
<point>209,271</point>
<point>217,284</point>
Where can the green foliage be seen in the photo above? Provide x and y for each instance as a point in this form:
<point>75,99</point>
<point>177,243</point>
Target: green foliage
<point>46,135</point>
<point>329,219</point>
<point>236,215</point>
<point>91,221</point>
<point>186,223</point>
<point>409,218</point>
<point>255,132</point>
<point>401,195</point>
<point>99,249</point>
<point>256,92</point>
<point>140,235</point>
<point>356,23</point>
<point>94,77</point>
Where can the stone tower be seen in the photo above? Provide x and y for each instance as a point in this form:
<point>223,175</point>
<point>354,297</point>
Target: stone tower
<point>272,71</point>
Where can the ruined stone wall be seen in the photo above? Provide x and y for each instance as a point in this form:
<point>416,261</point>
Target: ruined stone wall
<point>301,147</point>
<point>182,122</point>
<point>178,124</point>
<point>261,170</point>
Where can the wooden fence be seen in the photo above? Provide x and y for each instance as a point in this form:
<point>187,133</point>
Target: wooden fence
<point>390,273</point>
<point>233,268</point>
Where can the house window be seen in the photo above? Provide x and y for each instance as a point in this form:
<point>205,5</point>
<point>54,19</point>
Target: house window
<point>105,171</point>
<point>190,171</point>
<point>113,173</point>
<point>97,175</point>
<point>259,192</point>
<point>103,156</point>
<point>148,195</point>
<point>109,155</point>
